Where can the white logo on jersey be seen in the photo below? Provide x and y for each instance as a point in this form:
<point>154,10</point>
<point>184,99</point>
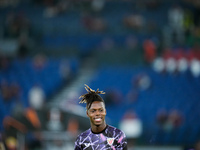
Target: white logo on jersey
<point>87,144</point>
<point>110,141</point>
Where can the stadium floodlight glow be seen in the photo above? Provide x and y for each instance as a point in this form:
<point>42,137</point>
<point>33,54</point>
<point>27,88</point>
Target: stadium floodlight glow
<point>158,64</point>
<point>182,65</point>
<point>195,67</point>
<point>171,65</point>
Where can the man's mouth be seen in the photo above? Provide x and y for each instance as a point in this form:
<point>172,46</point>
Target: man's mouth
<point>97,119</point>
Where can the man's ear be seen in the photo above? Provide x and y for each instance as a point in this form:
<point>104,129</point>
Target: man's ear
<point>87,113</point>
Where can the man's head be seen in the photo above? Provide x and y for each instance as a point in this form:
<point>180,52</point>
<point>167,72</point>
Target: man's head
<point>95,106</point>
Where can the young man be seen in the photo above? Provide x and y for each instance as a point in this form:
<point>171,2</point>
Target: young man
<point>100,136</point>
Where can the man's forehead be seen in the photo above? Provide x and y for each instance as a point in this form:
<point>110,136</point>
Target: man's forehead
<point>97,104</point>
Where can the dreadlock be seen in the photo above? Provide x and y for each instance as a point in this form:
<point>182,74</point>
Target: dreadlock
<point>91,96</point>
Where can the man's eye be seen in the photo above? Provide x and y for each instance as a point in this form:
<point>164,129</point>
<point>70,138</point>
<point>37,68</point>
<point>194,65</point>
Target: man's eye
<point>101,110</point>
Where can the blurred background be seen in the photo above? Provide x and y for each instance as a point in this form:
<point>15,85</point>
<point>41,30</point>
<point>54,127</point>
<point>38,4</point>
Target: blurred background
<point>145,54</point>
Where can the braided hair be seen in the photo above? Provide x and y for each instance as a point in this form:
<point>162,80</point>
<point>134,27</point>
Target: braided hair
<point>91,96</point>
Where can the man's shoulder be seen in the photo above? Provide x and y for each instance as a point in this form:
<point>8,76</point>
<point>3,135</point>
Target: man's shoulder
<point>110,127</point>
<point>85,133</point>
<point>114,129</point>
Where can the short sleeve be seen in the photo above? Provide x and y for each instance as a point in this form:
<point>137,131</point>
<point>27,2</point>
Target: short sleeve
<point>122,142</point>
<point>77,145</point>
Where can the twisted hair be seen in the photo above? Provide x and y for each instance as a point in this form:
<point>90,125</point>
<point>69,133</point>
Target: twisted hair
<point>91,96</point>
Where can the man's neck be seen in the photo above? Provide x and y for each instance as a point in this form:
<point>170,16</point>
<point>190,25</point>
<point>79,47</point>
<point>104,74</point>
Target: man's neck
<point>98,128</point>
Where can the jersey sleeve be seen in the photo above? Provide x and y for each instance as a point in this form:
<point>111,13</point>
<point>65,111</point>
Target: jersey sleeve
<point>122,142</point>
<point>77,145</point>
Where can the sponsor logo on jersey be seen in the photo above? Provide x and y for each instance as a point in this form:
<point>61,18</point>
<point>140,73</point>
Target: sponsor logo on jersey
<point>110,141</point>
<point>87,144</point>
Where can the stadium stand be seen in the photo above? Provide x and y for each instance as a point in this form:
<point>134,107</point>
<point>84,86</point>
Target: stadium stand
<point>168,92</point>
<point>114,36</point>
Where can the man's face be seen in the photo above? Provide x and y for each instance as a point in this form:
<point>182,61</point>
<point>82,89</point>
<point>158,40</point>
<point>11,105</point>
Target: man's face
<point>97,113</point>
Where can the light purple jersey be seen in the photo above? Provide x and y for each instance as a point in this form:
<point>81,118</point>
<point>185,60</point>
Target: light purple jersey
<point>110,138</point>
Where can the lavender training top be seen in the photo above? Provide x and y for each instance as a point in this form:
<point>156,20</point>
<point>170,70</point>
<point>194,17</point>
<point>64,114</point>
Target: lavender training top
<point>110,138</point>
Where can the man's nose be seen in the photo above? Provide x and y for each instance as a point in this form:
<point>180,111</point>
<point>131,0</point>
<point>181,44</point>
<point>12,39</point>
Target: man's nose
<point>97,112</point>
